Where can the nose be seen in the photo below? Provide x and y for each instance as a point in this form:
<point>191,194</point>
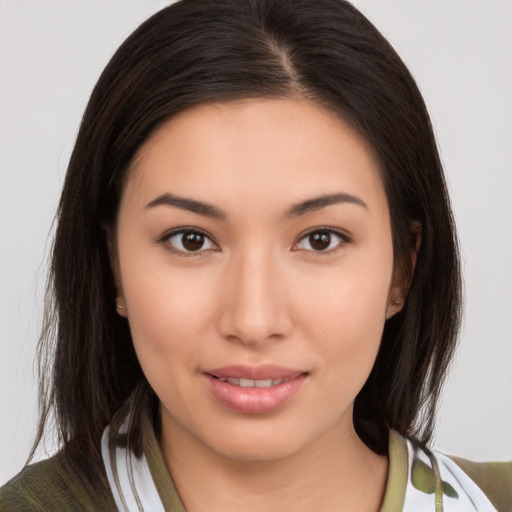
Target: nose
<point>254,308</point>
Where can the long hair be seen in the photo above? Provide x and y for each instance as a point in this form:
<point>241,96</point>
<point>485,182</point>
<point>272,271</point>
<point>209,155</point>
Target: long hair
<point>198,51</point>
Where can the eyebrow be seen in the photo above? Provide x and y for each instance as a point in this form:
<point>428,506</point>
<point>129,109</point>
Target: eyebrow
<point>317,203</point>
<point>208,210</point>
<point>204,209</point>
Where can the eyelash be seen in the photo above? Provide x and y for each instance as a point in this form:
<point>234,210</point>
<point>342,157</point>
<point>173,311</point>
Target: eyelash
<point>165,239</point>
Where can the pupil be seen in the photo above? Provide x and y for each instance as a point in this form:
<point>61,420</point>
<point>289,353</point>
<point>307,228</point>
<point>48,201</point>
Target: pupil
<point>320,240</point>
<point>193,241</point>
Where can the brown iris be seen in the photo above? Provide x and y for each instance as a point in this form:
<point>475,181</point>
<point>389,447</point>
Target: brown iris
<point>192,241</point>
<point>320,240</point>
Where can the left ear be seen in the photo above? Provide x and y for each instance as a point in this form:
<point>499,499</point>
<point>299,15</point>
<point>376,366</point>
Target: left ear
<point>403,273</point>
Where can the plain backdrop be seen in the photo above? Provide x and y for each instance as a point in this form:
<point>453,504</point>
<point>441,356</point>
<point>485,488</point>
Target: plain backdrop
<point>460,52</point>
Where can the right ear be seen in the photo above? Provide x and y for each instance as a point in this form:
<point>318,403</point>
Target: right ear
<point>114,267</point>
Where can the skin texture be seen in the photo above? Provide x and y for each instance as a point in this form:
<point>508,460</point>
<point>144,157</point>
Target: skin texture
<point>257,292</point>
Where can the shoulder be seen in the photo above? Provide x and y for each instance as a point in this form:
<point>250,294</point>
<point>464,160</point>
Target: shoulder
<point>47,485</point>
<point>435,480</point>
<point>493,478</point>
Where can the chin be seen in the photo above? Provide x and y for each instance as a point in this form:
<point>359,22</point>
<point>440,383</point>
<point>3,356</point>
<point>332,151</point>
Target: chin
<point>263,440</point>
<point>258,450</point>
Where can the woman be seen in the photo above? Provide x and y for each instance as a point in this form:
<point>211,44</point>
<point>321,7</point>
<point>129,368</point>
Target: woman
<point>247,312</point>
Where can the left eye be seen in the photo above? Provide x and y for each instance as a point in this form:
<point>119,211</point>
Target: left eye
<point>189,241</point>
<point>322,240</point>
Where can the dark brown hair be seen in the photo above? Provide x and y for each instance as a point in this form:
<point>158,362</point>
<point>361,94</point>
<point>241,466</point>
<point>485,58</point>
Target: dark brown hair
<point>198,51</point>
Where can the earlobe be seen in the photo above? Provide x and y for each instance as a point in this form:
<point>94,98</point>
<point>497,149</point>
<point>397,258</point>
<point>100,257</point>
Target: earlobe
<point>120,302</point>
<point>111,242</point>
<point>114,265</point>
<point>403,278</point>
<point>394,307</point>
<point>121,306</point>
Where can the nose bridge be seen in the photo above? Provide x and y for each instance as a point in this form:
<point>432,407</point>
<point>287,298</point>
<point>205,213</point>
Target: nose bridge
<point>255,306</point>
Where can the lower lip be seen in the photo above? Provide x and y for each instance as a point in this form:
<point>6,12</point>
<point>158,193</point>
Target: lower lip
<point>254,400</point>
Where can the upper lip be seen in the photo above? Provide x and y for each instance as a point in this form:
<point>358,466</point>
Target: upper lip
<point>261,372</point>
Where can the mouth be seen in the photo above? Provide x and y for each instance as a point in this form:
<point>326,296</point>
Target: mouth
<point>254,390</point>
<point>251,383</point>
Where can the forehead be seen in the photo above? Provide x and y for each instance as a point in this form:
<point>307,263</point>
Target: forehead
<point>274,150</point>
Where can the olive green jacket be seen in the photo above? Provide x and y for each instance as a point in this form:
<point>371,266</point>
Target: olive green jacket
<point>47,486</point>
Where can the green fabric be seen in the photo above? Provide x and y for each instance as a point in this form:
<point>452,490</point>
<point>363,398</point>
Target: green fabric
<point>163,481</point>
<point>397,474</point>
<point>424,479</point>
<point>47,486</point>
<point>494,478</point>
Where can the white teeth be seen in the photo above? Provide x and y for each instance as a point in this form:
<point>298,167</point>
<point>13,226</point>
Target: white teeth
<point>251,383</point>
<point>263,383</point>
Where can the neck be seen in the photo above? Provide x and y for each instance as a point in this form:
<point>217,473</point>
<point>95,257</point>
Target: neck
<point>336,472</point>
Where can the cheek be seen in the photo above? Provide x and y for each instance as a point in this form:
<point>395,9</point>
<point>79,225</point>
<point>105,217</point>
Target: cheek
<point>352,297</point>
<point>166,314</point>
<point>345,314</point>
<point>165,308</point>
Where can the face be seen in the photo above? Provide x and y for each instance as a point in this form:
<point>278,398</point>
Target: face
<point>255,269</point>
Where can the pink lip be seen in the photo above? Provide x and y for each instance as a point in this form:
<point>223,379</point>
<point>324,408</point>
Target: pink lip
<point>254,400</point>
<point>262,372</point>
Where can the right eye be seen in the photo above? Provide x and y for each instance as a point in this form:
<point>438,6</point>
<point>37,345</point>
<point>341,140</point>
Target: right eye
<point>188,241</point>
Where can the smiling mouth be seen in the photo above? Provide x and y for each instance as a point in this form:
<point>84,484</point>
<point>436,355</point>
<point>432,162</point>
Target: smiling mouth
<point>261,376</point>
<point>254,390</point>
<point>251,383</point>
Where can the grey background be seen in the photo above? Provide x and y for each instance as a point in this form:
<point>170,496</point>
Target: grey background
<point>460,52</point>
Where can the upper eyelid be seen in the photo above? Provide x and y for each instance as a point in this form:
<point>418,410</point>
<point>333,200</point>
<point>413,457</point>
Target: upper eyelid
<point>337,231</point>
<point>176,231</point>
